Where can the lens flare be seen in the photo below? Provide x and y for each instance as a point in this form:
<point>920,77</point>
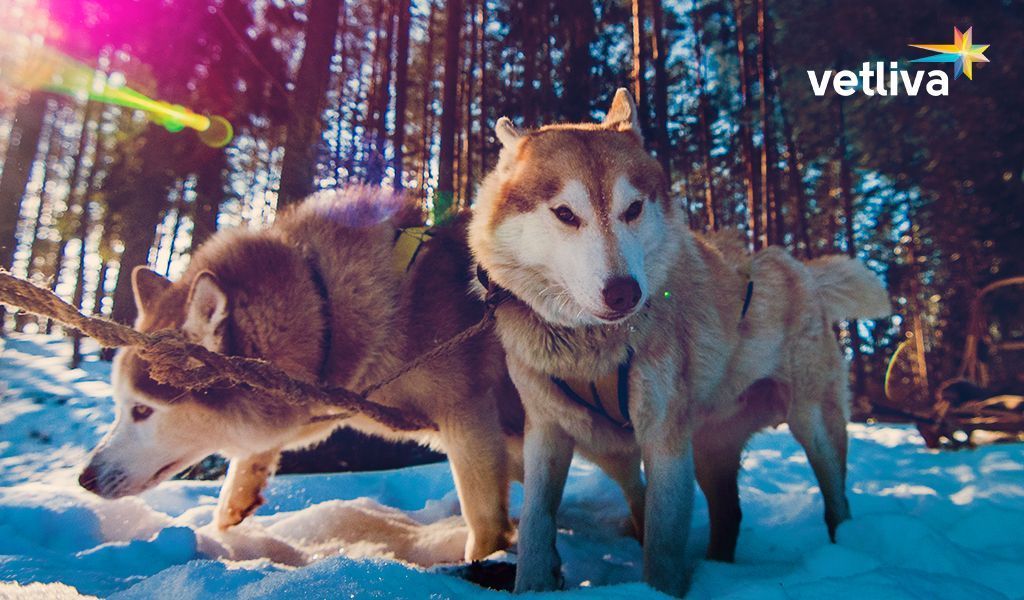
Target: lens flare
<point>27,66</point>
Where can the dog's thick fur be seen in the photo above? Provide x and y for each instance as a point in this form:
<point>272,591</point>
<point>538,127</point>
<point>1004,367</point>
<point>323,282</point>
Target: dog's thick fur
<point>706,375</point>
<point>254,293</point>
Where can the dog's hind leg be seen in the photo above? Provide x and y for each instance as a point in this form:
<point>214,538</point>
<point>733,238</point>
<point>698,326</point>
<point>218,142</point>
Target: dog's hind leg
<point>478,457</point>
<point>241,493</point>
<point>818,419</point>
<point>717,450</point>
<point>624,469</point>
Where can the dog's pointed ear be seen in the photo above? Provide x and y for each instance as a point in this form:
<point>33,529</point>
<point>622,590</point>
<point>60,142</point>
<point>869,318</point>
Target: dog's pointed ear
<point>506,132</point>
<point>623,114</point>
<point>206,310</point>
<point>147,285</point>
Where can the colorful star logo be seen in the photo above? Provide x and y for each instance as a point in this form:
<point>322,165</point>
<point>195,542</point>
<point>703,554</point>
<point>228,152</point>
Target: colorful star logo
<point>962,53</point>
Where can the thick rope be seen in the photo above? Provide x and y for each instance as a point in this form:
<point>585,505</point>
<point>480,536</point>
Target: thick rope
<point>177,362</point>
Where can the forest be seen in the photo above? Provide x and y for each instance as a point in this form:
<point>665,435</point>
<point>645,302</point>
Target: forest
<point>927,190</point>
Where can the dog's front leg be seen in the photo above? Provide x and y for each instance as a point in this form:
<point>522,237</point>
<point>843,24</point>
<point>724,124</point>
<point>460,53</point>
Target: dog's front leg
<point>665,442</point>
<point>547,454</point>
<point>668,513</point>
<point>241,493</point>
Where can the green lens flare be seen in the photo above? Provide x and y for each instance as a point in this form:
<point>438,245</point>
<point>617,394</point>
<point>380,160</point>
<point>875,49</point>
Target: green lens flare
<point>28,66</point>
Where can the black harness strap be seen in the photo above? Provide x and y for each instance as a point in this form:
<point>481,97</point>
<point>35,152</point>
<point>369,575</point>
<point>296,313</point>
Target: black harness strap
<point>500,294</point>
<point>746,298</point>
<point>325,312</point>
<point>622,387</point>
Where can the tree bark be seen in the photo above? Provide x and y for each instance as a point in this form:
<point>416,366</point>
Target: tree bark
<point>639,62</point>
<point>484,124</point>
<point>467,190</point>
<point>401,91</point>
<point>770,213</point>
<point>84,216</point>
<point>53,148</point>
<point>21,154</point>
<point>209,196</point>
<point>751,178</point>
<point>428,105</point>
<point>846,191</point>
<point>660,88</point>
<point>140,219</point>
<point>577,80</point>
<point>302,131</point>
<point>382,102</point>
<point>443,198</point>
<point>796,181</point>
<point>704,127</point>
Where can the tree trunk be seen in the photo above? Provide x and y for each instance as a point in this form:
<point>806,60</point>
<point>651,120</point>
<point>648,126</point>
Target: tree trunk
<point>769,211</point>
<point>484,124</point>
<point>53,148</point>
<point>704,127</point>
<point>85,216</point>
<point>750,174</point>
<point>140,219</point>
<point>172,236</point>
<point>104,251</point>
<point>639,62</point>
<point>530,43</point>
<point>660,88</point>
<point>796,181</point>
<point>428,105</point>
<point>378,152</point>
<point>467,190</point>
<point>209,195</point>
<point>21,154</point>
<point>577,79</point>
<point>342,96</point>
<point>401,91</point>
<point>846,191</point>
<point>449,112</point>
<point>306,103</point>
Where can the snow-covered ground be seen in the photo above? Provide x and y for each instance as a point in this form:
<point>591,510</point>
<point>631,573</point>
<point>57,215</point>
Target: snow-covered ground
<point>926,524</point>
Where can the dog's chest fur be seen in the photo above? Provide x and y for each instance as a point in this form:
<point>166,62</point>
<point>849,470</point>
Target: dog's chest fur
<point>580,352</point>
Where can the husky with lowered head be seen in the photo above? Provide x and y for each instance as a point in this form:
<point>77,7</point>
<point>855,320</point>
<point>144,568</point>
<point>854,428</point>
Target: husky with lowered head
<point>577,222</point>
<point>316,294</point>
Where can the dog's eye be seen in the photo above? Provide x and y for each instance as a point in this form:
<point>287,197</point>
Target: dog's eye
<point>565,215</point>
<point>141,412</point>
<point>633,211</point>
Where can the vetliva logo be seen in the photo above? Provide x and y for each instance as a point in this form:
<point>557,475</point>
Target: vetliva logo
<point>879,79</point>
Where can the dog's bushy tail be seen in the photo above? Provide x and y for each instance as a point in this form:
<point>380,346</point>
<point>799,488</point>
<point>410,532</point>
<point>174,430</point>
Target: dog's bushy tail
<point>848,289</point>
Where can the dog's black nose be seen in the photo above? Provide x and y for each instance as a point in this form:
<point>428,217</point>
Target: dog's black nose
<point>89,479</point>
<point>621,294</point>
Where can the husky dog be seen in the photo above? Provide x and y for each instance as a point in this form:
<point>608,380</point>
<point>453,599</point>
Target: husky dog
<point>577,223</point>
<point>316,294</point>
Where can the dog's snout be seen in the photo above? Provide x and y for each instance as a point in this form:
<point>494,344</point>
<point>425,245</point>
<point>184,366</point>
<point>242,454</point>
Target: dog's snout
<point>621,294</point>
<point>89,479</point>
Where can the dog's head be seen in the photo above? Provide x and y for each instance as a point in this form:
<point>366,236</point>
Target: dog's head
<point>160,430</point>
<point>575,220</point>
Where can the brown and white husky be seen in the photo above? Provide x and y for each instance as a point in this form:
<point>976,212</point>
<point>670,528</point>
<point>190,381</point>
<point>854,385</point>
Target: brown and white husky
<point>577,222</point>
<point>316,295</point>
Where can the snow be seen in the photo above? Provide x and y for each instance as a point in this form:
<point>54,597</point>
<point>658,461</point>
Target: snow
<point>926,524</point>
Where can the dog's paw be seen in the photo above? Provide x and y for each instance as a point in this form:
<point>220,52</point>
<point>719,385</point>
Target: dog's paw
<point>544,577</point>
<point>235,512</point>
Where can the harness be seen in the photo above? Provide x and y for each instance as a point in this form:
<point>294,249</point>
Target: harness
<point>594,395</point>
<point>325,313</point>
<point>406,247</point>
